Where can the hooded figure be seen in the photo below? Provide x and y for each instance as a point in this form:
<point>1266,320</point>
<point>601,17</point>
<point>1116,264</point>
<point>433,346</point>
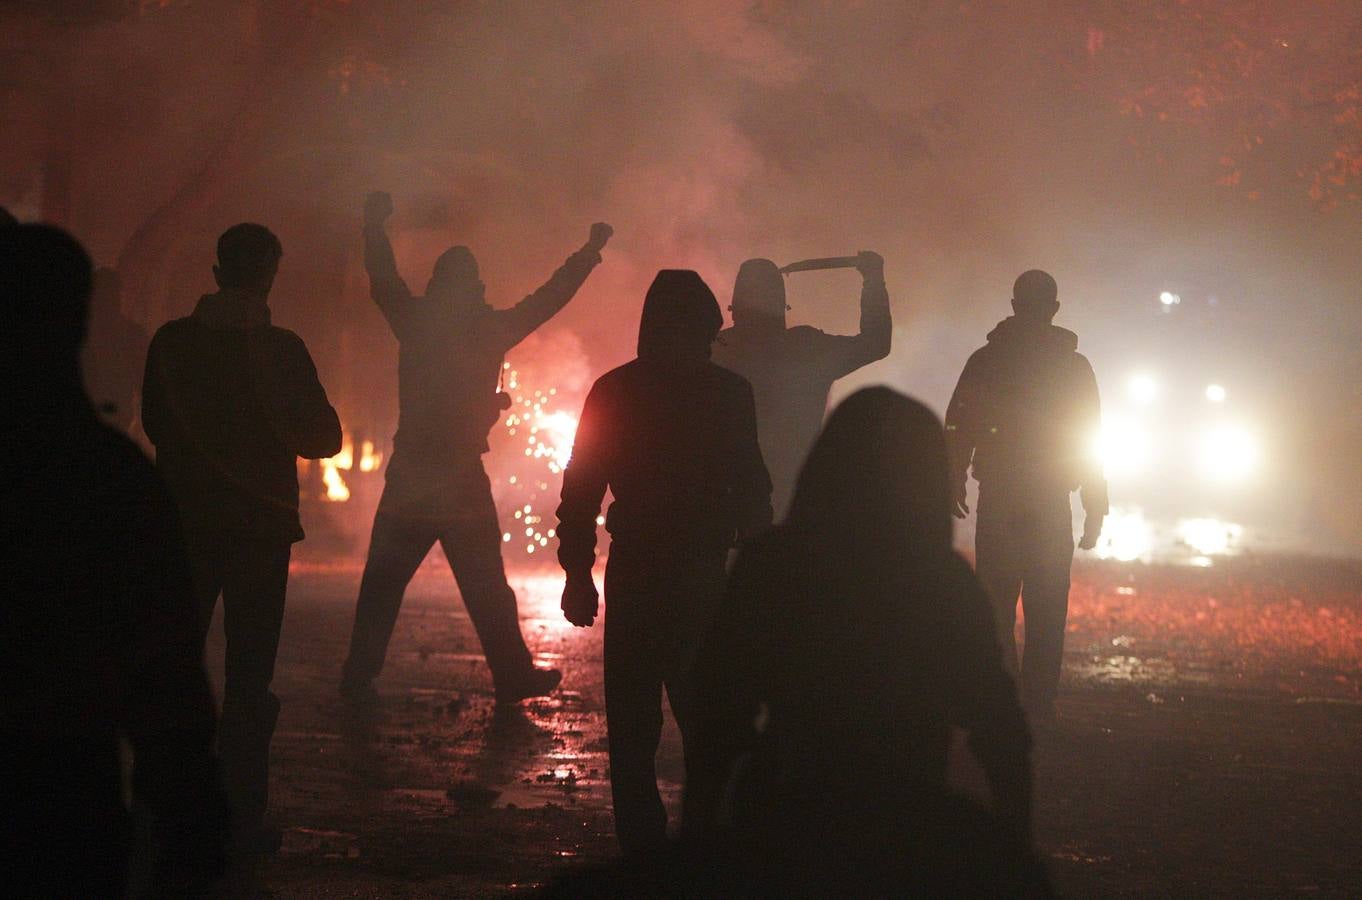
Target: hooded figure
<point>851,639</point>
<point>231,401</point>
<point>1023,418</point>
<point>792,369</point>
<point>674,438</point>
<point>99,637</point>
<point>449,359</point>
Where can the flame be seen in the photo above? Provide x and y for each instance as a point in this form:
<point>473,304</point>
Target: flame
<point>369,458</point>
<point>336,489</point>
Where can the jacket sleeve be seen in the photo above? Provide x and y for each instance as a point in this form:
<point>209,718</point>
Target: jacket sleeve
<point>154,406</point>
<point>1092,482</point>
<point>302,415</point>
<point>964,420</point>
<point>584,483</point>
<point>751,481</point>
<point>386,286</point>
<point>516,323</point>
<point>985,700</point>
<point>168,716</point>
<point>844,354</point>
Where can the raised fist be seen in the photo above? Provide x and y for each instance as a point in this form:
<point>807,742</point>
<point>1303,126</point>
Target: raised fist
<point>870,264</point>
<point>600,233</point>
<point>377,207</point>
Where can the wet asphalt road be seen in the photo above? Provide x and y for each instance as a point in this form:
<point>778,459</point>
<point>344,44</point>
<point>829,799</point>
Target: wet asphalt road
<point>1210,742</point>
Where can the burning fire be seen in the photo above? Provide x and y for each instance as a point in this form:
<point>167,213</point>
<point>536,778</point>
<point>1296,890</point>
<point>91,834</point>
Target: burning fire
<point>337,491</point>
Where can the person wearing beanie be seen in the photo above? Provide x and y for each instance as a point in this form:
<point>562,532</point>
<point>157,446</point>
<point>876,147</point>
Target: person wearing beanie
<point>1022,420</point>
<point>674,438</point>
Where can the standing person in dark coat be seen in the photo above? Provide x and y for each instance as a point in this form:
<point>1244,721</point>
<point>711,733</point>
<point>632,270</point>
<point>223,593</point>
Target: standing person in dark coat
<point>114,355</point>
<point>792,369</point>
<point>450,349</point>
<point>98,630</point>
<point>852,639</point>
<point>231,402</point>
<point>1023,418</point>
<point>674,438</point>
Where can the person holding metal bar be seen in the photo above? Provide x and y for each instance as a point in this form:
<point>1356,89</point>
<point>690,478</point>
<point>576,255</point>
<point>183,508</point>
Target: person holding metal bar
<point>792,369</point>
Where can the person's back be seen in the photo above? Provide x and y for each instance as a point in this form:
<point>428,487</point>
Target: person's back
<point>792,370</point>
<point>98,631</point>
<point>674,437</point>
<point>231,401</point>
<point>851,640</point>
<point>1024,419</point>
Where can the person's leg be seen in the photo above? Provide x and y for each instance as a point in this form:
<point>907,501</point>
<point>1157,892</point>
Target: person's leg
<point>253,607</point>
<point>472,544</point>
<point>396,549</point>
<point>633,707</point>
<point>997,563</point>
<point>696,590</point>
<point>1045,602</point>
<point>206,566</point>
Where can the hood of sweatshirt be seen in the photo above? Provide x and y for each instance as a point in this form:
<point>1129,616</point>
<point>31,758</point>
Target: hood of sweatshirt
<point>680,318</point>
<point>232,310</point>
<point>1024,335</point>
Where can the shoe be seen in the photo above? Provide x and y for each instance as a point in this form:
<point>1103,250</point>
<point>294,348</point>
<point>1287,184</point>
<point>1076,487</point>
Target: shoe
<point>359,693</point>
<point>532,683</point>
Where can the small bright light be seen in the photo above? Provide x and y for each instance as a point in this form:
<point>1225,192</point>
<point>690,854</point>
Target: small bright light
<point>1228,453</point>
<point>1126,536</point>
<point>1209,537</point>
<point>1122,447</point>
<point>1168,298</point>
<point>1143,388</point>
<point>1215,393</point>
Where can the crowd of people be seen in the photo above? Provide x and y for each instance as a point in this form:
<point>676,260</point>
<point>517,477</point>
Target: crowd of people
<point>791,586</point>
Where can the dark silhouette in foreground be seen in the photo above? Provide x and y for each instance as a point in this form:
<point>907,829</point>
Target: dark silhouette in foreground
<point>852,639</point>
<point>98,631</point>
<point>792,369</point>
<point>450,349</point>
<point>231,402</point>
<point>1023,419</point>
<point>115,354</point>
<point>674,438</point>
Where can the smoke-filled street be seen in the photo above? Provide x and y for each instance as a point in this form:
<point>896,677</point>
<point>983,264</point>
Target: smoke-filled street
<point>1209,726</point>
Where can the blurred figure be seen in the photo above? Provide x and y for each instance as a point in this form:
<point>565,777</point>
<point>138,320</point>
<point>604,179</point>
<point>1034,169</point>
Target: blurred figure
<point>674,438</point>
<point>231,401</point>
<point>98,631</point>
<point>852,638</point>
<point>1023,418</point>
<point>792,369</point>
<point>450,350</point>
<point>114,354</point>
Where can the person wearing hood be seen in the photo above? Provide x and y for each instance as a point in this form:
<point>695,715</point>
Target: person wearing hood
<point>99,636</point>
<point>791,370</point>
<point>230,402</point>
<point>1022,419</point>
<point>852,639</point>
<point>674,438</point>
<point>450,349</point>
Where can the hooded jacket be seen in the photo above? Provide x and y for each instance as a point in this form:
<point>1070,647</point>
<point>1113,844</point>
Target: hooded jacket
<point>1025,413</point>
<point>672,435</point>
<point>230,401</point>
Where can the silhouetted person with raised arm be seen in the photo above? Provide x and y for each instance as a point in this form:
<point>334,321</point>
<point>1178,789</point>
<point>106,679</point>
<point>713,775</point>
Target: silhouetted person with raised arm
<point>114,354</point>
<point>231,401</point>
<point>1023,418</point>
<point>450,349</point>
<point>792,369</point>
<point>674,438</point>
<point>852,639</point>
<point>98,630</point>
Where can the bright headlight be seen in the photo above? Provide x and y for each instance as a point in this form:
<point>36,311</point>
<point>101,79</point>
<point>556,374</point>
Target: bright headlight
<point>1228,453</point>
<point>1122,447</point>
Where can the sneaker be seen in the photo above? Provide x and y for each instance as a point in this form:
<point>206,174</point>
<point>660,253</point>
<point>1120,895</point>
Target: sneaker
<point>532,683</point>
